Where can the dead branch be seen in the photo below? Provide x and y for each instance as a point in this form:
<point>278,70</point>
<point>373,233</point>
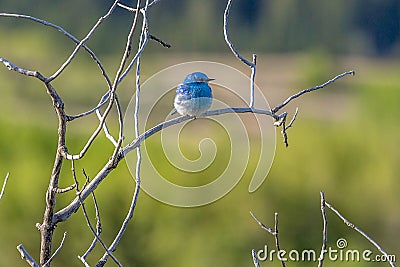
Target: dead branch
<point>25,256</point>
<point>358,230</point>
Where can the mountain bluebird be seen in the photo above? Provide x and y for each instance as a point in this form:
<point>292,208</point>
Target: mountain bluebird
<point>193,96</point>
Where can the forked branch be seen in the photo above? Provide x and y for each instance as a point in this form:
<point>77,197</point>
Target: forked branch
<point>324,204</point>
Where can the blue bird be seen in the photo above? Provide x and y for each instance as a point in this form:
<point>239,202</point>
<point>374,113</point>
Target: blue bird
<point>193,96</point>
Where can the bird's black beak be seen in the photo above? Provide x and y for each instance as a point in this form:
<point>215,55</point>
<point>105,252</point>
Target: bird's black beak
<point>210,79</point>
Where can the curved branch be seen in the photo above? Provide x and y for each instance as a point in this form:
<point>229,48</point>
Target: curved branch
<point>119,77</point>
<point>252,64</point>
<point>308,90</point>
<point>66,33</point>
<point>228,41</point>
<point>83,41</point>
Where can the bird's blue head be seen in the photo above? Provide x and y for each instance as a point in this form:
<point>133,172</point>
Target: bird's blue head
<point>196,77</point>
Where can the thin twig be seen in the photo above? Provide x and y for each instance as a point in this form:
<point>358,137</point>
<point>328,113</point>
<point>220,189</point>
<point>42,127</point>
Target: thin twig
<point>135,58</point>
<point>94,134</point>
<point>118,145</point>
<point>101,103</point>
<point>352,226</point>
<point>158,40</point>
<point>273,232</point>
<point>293,119</point>
<point>263,226</point>
<point>83,41</point>
<point>287,101</point>
<point>15,68</point>
<point>153,2</point>
<point>130,9</point>
<point>25,255</point>
<point>66,33</point>
<point>105,128</point>
<point>64,190</point>
<point>4,185</point>
<point>98,222</point>
<point>324,231</point>
<point>143,38</point>
<point>278,248</point>
<point>82,259</point>
<point>282,122</point>
<point>118,78</point>
<point>252,64</point>
<point>228,41</point>
<point>87,217</point>
<point>56,252</point>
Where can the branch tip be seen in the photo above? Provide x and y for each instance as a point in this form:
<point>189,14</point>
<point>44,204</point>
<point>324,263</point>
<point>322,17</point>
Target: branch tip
<point>25,255</point>
<point>158,40</point>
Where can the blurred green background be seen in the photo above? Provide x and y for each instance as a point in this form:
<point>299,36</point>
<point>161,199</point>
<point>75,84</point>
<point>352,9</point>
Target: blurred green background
<point>345,140</point>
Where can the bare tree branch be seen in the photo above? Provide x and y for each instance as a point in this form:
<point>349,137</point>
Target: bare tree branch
<point>324,231</point>
<point>98,224</point>
<point>324,204</point>
<point>292,120</point>
<point>47,227</point>
<point>15,68</point>
<point>143,40</point>
<point>308,90</point>
<point>101,103</point>
<point>273,232</point>
<point>252,65</point>
<point>354,227</point>
<point>105,129</point>
<point>66,33</point>
<point>158,40</point>
<point>25,255</point>
<point>119,77</point>
<point>4,185</point>
<point>64,190</point>
<point>282,122</point>
<point>278,247</point>
<point>108,252</point>
<point>83,41</point>
<point>82,259</point>
<point>56,252</point>
<point>228,41</point>
<point>263,226</point>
